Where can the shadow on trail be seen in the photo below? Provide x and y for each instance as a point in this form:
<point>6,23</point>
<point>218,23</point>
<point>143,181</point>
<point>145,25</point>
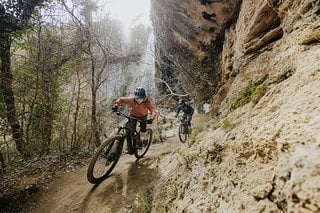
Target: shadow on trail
<point>122,189</point>
<point>88,197</point>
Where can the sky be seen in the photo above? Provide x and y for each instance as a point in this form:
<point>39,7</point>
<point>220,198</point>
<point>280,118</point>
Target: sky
<point>128,10</point>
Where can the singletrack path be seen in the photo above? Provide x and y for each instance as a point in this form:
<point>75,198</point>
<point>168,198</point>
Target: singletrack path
<point>120,192</point>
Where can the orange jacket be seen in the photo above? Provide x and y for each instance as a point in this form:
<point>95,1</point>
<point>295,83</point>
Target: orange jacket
<point>138,110</point>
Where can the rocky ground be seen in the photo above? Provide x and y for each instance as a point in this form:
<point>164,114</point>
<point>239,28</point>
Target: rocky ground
<point>20,185</point>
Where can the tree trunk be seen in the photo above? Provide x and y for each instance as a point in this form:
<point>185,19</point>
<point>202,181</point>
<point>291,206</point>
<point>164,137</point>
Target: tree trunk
<point>7,92</point>
<point>47,107</point>
<point>74,141</point>
<point>94,123</point>
<point>2,163</point>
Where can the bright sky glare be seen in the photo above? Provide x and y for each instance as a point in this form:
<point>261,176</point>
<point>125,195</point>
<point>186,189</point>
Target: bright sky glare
<point>127,11</point>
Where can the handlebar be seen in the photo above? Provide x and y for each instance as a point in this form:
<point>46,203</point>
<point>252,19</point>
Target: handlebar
<point>119,113</point>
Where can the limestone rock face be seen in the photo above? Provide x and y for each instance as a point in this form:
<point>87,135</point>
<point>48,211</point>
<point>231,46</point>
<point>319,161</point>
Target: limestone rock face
<point>188,37</point>
<point>264,96</point>
<point>265,40</point>
<point>194,24</point>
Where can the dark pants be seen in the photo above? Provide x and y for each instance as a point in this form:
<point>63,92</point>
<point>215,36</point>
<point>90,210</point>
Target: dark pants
<point>131,127</point>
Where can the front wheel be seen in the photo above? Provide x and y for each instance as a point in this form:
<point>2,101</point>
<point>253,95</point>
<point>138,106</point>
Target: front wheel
<point>140,151</point>
<point>183,133</point>
<point>105,159</point>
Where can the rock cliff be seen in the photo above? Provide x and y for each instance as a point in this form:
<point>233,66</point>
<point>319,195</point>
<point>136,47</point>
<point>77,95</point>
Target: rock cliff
<point>189,36</point>
<point>261,150</point>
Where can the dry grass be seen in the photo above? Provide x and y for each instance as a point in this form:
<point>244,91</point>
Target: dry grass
<point>227,124</point>
<point>252,92</point>
<point>200,122</point>
<point>313,38</point>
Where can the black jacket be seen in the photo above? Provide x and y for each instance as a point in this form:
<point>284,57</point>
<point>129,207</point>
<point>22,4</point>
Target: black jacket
<point>185,108</point>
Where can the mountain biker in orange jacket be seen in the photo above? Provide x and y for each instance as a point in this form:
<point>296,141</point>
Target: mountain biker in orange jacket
<point>140,104</point>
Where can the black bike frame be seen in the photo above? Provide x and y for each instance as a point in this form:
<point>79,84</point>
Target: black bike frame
<point>128,130</point>
<point>184,120</point>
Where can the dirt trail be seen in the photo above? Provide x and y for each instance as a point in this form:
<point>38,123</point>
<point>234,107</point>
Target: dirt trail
<point>121,192</point>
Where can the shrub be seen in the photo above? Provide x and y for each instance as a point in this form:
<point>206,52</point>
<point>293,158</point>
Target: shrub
<point>227,125</point>
<point>253,92</point>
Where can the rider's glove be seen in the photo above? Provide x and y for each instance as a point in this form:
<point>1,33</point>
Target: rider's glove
<point>114,108</point>
<point>149,121</point>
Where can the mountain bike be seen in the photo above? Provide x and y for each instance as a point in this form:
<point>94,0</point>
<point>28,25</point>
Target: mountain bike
<point>184,129</point>
<point>109,152</point>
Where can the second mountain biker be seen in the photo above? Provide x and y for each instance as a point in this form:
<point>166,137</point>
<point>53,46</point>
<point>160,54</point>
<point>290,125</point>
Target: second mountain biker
<point>187,110</point>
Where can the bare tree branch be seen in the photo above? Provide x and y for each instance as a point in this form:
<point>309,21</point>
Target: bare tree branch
<point>170,90</point>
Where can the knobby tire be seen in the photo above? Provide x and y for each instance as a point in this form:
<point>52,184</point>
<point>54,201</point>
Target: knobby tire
<point>184,132</point>
<point>183,136</point>
<point>100,159</point>
<point>140,153</point>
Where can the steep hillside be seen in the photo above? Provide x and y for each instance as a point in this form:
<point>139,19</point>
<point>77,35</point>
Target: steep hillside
<point>261,151</point>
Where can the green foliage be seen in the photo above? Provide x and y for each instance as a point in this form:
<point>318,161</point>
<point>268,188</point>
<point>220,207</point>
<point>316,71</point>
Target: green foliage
<point>259,93</point>
<point>145,201</point>
<point>158,137</point>
<point>15,15</point>
<point>42,70</point>
<point>189,157</point>
<point>193,137</point>
<point>253,92</point>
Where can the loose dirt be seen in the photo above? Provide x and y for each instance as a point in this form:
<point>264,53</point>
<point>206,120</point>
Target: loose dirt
<point>126,190</point>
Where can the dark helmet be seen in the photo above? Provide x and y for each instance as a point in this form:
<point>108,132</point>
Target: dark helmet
<point>181,101</point>
<point>139,92</point>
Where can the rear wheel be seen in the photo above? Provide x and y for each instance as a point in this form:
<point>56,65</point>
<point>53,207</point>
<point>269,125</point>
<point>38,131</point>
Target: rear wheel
<point>183,133</point>
<point>105,159</point>
<point>141,150</point>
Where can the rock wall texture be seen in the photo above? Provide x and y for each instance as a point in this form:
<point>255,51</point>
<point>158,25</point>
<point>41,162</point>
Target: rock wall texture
<point>189,36</point>
<point>261,151</point>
